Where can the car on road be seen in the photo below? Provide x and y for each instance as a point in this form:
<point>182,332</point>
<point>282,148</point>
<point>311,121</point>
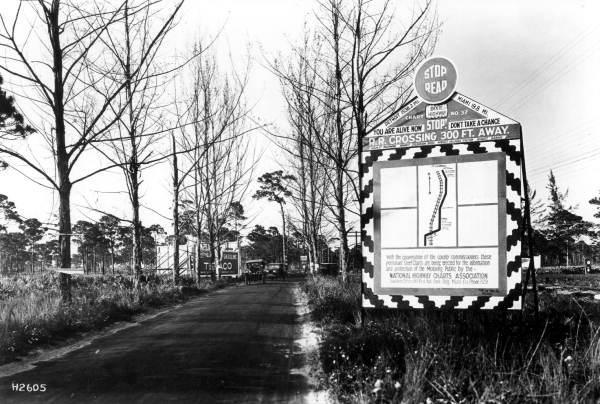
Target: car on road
<point>255,270</point>
<point>276,270</point>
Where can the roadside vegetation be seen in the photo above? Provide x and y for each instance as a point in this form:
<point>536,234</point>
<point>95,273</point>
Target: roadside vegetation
<point>33,315</point>
<point>456,356</point>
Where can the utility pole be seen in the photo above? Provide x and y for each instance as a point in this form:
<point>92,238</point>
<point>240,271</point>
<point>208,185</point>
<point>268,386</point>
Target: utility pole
<point>239,250</point>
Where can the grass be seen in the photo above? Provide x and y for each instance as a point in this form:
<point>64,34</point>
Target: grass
<point>32,313</point>
<point>457,356</point>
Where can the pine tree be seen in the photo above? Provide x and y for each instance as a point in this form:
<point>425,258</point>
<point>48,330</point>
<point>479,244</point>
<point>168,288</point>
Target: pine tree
<point>12,123</point>
<point>596,233</point>
<point>596,201</point>
<point>563,227</point>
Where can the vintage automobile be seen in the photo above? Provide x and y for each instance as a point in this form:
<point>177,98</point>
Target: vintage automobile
<point>255,270</point>
<point>276,270</point>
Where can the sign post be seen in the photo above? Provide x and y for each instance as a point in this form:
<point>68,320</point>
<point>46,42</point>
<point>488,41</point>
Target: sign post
<point>441,202</point>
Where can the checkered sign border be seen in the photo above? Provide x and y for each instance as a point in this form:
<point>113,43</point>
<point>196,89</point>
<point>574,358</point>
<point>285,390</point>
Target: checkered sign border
<point>512,300</point>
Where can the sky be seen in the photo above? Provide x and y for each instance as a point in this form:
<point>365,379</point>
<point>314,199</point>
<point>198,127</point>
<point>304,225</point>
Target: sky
<point>534,61</point>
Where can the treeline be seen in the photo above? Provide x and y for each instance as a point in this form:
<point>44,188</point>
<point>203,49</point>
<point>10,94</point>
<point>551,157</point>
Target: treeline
<point>562,237</point>
<point>267,243</point>
<point>28,245</point>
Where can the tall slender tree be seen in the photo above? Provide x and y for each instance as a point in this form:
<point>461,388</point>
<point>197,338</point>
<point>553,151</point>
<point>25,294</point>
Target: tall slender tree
<point>274,187</point>
<point>139,127</point>
<point>563,226</point>
<point>61,80</point>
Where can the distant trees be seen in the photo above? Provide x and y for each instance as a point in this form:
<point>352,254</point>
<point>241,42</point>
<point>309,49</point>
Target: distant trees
<point>267,243</point>
<point>561,227</point>
<point>264,243</point>
<point>32,231</point>
<point>595,201</point>
<point>108,243</point>
<point>102,243</point>
<point>13,255</point>
<point>9,213</point>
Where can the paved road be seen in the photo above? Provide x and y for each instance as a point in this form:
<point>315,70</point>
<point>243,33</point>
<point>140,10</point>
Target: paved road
<point>234,345</point>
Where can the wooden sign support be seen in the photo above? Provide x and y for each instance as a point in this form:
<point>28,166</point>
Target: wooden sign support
<point>530,239</point>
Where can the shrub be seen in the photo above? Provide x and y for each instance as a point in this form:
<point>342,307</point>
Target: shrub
<point>332,300</point>
<point>32,313</point>
<point>457,356</point>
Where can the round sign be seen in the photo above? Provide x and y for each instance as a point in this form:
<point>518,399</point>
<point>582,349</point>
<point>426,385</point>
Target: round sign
<point>435,80</point>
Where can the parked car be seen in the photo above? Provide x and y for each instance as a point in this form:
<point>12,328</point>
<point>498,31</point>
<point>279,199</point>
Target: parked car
<point>255,266</point>
<point>255,270</point>
<point>329,268</point>
<point>276,270</point>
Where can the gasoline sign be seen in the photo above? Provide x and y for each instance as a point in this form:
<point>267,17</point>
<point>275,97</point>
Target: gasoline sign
<point>229,263</point>
<point>435,80</point>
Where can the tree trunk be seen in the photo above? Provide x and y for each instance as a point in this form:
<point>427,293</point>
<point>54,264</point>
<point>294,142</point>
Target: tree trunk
<point>62,157</point>
<point>64,225</point>
<point>340,145</point>
<point>175,213</point>
<point>112,256</point>
<point>137,233</point>
<point>198,223</point>
<point>284,253</point>
<point>133,173</point>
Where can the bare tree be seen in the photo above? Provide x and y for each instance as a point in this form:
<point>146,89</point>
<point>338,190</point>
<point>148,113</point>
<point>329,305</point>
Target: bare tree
<point>138,128</point>
<point>361,77</point>
<point>217,161</point>
<point>384,53</point>
<point>59,69</point>
<point>308,118</point>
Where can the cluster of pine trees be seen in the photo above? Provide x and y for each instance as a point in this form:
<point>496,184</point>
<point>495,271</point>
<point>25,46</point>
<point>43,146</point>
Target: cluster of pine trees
<point>105,246</point>
<point>561,236</point>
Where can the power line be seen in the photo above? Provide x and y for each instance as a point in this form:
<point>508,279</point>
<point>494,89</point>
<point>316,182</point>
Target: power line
<point>590,154</point>
<point>553,148</point>
<point>548,63</point>
<point>553,78</point>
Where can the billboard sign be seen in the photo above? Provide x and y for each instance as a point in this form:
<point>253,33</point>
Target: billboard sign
<point>229,263</point>
<point>205,266</point>
<point>458,120</point>
<point>441,208</point>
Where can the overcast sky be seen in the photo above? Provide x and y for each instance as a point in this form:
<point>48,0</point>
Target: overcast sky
<point>534,61</point>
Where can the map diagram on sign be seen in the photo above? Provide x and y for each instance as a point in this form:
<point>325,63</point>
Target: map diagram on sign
<point>435,224</point>
<point>439,222</point>
<point>437,203</point>
<point>440,204</point>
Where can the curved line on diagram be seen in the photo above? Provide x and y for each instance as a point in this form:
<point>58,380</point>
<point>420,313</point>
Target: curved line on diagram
<point>438,206</point>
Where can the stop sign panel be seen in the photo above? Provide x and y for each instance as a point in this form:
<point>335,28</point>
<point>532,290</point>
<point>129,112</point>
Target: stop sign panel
<point>435,80</point>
